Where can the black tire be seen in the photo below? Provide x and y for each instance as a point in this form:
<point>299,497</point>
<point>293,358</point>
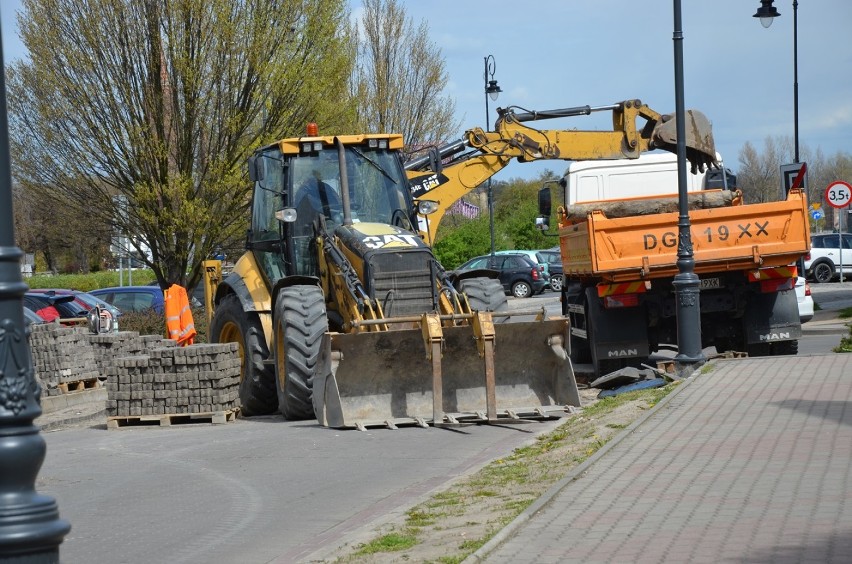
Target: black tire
<point>556,282</point>
<point>300,322</point>
<point>758,349</point>
<point>823,272</point>
<point>484,294</point>
<point>786,348</point>
<point>581,352</point>
<point>231,324</point>
<point>522,289</point>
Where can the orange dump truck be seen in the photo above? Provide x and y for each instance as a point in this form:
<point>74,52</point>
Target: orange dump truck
<point>620,258</point>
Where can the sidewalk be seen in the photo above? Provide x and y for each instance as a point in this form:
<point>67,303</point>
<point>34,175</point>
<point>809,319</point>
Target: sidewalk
<point>750,461</point>
<point>826,321</point>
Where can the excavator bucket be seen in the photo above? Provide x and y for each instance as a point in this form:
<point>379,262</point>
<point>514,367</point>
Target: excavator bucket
<point>445,375</point>
<point>700,146</point>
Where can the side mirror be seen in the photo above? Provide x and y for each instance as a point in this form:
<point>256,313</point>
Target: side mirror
<point>544,204</point>
<point>255,168</point>
<point>542,222</point>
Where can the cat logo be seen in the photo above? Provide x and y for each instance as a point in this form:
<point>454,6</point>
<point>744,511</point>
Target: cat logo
<point>380,242</point>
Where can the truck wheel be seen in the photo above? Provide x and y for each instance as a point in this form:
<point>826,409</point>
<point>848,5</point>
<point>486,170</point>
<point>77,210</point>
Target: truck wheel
<point>581,353</point>
<point>758,349</point>
<point>300,322</point>
<point>485,294</point>
<point>786,348</point>
<point>823,272</point>
<point>556,282</point>
<point>231,324</point>
<point>521,289</point>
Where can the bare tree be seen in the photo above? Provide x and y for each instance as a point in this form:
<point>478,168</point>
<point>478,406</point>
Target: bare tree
<point>759,175</point>
<point>399,78</point>
<point>162,101</point>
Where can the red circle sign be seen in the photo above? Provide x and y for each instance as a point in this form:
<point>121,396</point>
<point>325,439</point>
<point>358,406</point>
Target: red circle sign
<point>838,194</point>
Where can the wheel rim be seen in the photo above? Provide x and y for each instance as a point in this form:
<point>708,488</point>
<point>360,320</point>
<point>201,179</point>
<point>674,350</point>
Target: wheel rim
<point>556,284</point>
<point>230,333</point>
<point>822,273</point>
<point>522,290</point>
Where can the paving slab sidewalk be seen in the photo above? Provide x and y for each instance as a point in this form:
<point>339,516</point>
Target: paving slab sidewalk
<point>750,461</point>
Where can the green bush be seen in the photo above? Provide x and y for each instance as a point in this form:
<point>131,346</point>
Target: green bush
<point>88,282</point>
<point>143,322</point>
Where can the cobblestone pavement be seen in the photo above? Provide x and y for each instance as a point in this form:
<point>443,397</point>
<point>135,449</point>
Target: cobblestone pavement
<point>749,462</point>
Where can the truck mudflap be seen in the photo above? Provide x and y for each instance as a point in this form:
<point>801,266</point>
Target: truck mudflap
<point>434,375</point>
<point>771,318</point>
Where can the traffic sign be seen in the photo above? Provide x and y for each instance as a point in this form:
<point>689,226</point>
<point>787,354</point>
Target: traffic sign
<point>838,194</point>
<point>794,176</point>
<point>816,215</point>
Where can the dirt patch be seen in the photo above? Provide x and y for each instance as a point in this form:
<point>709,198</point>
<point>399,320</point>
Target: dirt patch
<point>455,522</point>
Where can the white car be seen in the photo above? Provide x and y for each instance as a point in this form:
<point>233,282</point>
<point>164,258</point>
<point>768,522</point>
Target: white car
<point>806,302</point>
<point>823,262</point>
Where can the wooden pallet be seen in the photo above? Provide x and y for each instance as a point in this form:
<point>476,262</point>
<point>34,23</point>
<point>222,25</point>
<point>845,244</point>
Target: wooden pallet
<point>214,417</point>
<point>79,385</point>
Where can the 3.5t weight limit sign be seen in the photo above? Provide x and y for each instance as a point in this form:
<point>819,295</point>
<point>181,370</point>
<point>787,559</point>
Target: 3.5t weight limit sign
<point>838,194</point>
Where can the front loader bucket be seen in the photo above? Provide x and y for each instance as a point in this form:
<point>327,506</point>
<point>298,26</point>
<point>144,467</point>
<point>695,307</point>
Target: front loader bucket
<point>700,145</point>
<point>390,378</point>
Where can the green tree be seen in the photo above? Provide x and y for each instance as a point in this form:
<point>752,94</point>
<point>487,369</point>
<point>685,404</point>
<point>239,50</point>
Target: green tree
<point>515,210</point>
<point>161,102</point>
<point>399,78</point>
<point>457,245</point>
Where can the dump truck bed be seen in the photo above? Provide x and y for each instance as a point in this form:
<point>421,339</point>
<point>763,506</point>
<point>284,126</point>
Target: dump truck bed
<point>736,237</point>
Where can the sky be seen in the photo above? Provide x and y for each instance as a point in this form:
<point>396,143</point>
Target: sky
<point>553,54</point>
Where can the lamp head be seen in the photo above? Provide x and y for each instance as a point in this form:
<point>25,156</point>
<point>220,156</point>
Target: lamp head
<point>493,90</point>
<point>767,12</point>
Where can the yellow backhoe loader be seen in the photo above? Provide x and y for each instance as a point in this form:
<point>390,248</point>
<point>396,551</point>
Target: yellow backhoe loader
<point>341,311</point>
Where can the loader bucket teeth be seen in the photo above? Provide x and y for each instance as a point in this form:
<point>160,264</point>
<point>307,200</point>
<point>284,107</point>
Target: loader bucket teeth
<point>700,146</point>
<point>386,379</point>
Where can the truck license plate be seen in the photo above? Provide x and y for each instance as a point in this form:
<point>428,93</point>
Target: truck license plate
<point>710,283</point>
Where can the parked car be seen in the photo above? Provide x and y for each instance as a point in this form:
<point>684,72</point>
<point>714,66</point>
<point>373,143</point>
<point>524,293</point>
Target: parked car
<point>534,256</point>
<point>53,308</point>
<point>84,299</point>
<point>806,301</point>
<point>822,263</point>
<point>519,275</point>
<point>133,298</point>
<point>31,317</point>
<point>553,260</point>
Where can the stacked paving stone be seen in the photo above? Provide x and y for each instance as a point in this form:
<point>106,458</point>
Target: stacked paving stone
<point>110,346</point>
<point>60,355</point>
<point>201,378</point>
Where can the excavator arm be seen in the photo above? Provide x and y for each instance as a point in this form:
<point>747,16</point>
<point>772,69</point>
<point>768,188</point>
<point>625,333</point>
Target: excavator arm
<point>450,172</point>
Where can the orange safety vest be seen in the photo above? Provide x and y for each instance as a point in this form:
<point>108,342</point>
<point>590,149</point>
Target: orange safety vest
<point>179,323</point>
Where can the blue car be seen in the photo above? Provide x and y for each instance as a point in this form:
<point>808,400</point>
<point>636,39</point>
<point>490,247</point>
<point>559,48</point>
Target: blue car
<point>133,298</point>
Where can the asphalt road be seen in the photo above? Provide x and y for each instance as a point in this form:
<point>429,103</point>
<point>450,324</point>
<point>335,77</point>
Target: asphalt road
<point>257,490</point>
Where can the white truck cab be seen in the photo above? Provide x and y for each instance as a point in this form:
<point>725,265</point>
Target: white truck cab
<point>650,174</point>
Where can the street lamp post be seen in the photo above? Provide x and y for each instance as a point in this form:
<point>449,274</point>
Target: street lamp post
<point>767,13</point>
<point>492,91</point>
<point>686,282</point>
<point>30,527</point>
